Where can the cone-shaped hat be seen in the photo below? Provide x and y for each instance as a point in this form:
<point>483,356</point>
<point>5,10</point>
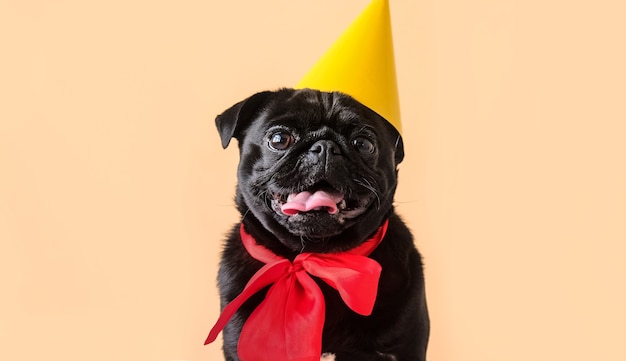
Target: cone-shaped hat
<point>361,64</point>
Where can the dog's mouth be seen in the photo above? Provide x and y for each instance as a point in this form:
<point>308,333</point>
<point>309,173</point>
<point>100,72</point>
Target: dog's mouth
<point>320,199</point>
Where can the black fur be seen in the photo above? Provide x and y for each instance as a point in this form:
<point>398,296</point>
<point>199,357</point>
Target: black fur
<point>398,327</point>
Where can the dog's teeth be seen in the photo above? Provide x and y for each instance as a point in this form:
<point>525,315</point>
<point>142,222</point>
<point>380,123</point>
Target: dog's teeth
<point>342,204</point>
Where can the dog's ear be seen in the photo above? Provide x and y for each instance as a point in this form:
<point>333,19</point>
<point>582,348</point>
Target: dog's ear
<point>234,119</point>
<point>399,149</point>
<point>395,139</point>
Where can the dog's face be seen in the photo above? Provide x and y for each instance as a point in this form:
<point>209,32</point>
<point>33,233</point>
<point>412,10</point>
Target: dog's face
<point>318,170</point>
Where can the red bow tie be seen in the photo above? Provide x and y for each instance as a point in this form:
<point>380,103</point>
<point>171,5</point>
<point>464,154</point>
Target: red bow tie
<point>288,324</point>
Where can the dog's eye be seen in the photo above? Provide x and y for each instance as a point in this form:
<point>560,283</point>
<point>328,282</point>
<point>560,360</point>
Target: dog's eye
<point>281,140</point>
<point>363,145</point>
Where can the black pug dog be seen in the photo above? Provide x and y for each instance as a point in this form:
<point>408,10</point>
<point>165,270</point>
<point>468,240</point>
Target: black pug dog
<point>318,173</point>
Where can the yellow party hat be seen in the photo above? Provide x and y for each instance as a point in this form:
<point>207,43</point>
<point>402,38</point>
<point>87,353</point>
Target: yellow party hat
<point>361,64</point>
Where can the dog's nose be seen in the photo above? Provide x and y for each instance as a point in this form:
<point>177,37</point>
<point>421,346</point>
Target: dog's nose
<point>325,148</point>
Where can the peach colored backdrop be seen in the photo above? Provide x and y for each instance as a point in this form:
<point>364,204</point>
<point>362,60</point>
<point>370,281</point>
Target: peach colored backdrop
<point>115,192</point>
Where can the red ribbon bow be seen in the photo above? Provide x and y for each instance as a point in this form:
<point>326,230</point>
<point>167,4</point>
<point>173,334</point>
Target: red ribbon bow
<point>288,324</point>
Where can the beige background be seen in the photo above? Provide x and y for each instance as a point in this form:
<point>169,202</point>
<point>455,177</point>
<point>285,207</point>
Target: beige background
<point>115,192</point>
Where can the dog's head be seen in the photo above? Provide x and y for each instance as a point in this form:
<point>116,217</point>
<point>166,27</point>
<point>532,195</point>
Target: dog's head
<point>318,170</point>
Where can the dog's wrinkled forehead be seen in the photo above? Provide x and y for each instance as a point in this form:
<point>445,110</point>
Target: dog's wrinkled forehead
<point>308,109</point>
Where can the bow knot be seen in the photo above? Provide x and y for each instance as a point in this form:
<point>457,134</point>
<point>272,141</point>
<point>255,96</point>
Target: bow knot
<point>288,323</point>
<point>296,266</point>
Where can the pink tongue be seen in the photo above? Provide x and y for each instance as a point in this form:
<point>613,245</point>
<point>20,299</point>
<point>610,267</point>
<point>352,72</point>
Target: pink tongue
<point>305,201</point>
